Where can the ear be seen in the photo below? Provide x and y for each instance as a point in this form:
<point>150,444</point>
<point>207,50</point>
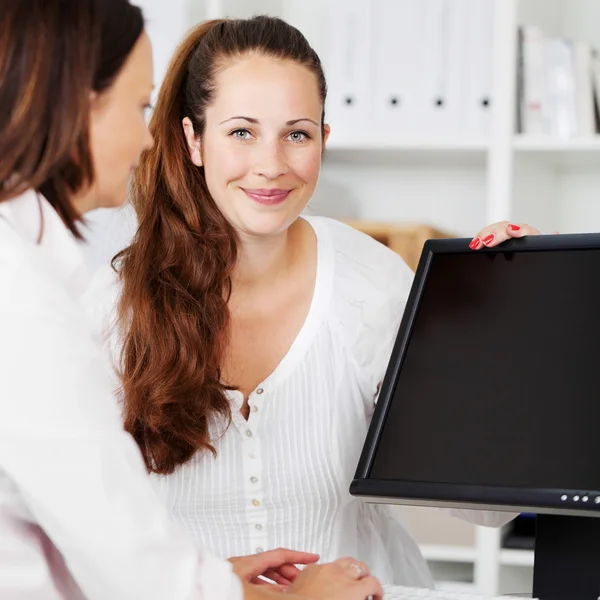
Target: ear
<point>193,142</point>
<point>326,132</point>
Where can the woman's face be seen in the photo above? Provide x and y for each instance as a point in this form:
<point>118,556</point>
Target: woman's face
<point>262,146</point>
<point>118,129</point>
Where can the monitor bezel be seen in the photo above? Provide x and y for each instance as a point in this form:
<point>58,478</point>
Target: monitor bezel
<point>462,496</point>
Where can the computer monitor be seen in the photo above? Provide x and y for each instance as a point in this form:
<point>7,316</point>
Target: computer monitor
<point>492,397</point>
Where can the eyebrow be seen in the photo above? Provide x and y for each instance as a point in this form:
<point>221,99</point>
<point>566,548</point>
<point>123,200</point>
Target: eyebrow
<point>256,121</point>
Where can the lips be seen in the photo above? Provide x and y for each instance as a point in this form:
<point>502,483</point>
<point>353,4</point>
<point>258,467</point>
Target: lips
<point>267,196</point>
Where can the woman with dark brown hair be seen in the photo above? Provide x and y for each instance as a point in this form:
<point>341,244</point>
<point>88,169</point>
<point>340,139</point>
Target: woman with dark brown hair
<point>251,341</point>
<point>78,517</point>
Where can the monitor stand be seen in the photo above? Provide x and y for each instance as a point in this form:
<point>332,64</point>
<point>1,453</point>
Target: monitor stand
<point>567,558</point>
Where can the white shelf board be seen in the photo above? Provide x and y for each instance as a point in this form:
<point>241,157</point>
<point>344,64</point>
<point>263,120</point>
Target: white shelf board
<point>450,151</point>
<point>459,554</point>
<point>516,558</point>
<point>466,554</point>
<point>572,153</point>
<point>456,587</point>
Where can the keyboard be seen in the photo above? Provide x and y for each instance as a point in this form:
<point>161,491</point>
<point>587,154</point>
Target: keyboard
<point>397,592</point>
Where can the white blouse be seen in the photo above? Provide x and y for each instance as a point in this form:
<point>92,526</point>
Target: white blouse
<point>282,477</point>
<point>78,518</point>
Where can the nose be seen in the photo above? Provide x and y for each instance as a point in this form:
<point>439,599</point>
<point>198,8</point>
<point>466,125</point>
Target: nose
<point>271,160</point>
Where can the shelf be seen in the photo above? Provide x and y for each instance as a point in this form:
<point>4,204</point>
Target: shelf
<point>576,152</point>
<point>465,554</point>
<point>516,558</point>
<point>459,554</point>
<point>450,151</point>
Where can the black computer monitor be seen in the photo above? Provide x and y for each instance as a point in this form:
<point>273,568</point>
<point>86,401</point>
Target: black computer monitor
<point>492,397</point>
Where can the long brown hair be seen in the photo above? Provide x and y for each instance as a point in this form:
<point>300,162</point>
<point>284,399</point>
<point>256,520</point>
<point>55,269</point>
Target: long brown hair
<point>53,54</point>
<point>176,274</point>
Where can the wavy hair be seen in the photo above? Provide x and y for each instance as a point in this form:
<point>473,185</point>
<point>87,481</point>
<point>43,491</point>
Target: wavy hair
<point>176,274</point>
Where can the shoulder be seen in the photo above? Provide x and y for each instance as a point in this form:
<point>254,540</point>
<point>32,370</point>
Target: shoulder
<point>371,284</point>
<point>365,270</point>
<point>26,285</point>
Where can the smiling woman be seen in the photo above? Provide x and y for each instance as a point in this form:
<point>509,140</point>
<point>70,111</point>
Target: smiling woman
<point>251,341</point>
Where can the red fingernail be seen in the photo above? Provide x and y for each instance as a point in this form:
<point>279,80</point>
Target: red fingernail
<point>473,245</point>
<point>514,227</point>
<point>489,238</point>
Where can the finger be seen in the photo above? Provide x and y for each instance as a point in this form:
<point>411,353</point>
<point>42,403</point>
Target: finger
<point>283,556</point>
<point>289,571</point>
<point>277,577</point>
<point>370,586</point>
<point>495,238</point>
<point>274,559</point>
<point>354,568</point>
<point>489,236</point>
<point>272,586</point>
<point>519,230</point>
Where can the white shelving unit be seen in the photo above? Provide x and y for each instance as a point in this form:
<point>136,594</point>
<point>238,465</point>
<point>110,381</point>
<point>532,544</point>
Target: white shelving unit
<point>459,185</point>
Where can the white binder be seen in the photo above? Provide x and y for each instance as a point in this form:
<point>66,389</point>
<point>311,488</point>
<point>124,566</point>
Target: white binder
<point>534,100</point>
<point>561,88</point>
<point>479,26</point>
<point>584,92</point>
<point>348,68</point>
<point>442,47</point>
<point>397,105</point>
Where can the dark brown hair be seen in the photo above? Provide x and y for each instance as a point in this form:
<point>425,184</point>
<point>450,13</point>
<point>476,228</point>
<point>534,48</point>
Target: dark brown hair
<point>53,54</point>
<point>173,313</point>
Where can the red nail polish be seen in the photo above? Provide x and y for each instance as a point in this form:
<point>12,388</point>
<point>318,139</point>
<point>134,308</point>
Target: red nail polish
<point>473,245</point>
<point>514,227</point>
<point>489,238</point>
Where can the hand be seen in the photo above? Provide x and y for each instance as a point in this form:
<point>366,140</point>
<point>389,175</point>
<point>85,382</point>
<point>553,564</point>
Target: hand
<point>277,565</point>
<point>345,579</point>
<point>495,234</point>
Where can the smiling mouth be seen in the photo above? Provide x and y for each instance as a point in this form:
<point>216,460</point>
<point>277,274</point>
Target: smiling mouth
<point>267,197</point>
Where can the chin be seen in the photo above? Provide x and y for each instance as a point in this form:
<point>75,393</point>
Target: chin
<point>266,224</point>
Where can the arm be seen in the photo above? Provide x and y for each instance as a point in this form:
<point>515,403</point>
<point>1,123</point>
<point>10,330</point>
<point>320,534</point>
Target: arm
<point>81,476</point>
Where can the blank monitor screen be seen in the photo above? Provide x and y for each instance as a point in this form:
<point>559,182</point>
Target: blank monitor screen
<point>498,380</point>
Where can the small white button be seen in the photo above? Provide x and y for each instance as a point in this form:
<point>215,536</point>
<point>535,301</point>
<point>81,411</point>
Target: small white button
<point>256,502</point>
<point>563,497</point>
<point>259,550</point>
<point>259,391</point>
<point>252,454</point>
<point>254,479</point>
<point>254,408</point>
<point>597,499</point>
<point>258,527</point>
<point>248,433</point>
<point>576,498</point>
<point>585,499</point>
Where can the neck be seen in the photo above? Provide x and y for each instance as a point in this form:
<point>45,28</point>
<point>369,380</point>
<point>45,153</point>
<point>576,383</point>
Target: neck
<point>263,259</point>
<point>84,201</point>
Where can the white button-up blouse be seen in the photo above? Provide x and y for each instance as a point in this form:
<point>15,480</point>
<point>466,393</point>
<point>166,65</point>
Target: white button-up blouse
<point>78,517</point>
<point>281,478</point>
